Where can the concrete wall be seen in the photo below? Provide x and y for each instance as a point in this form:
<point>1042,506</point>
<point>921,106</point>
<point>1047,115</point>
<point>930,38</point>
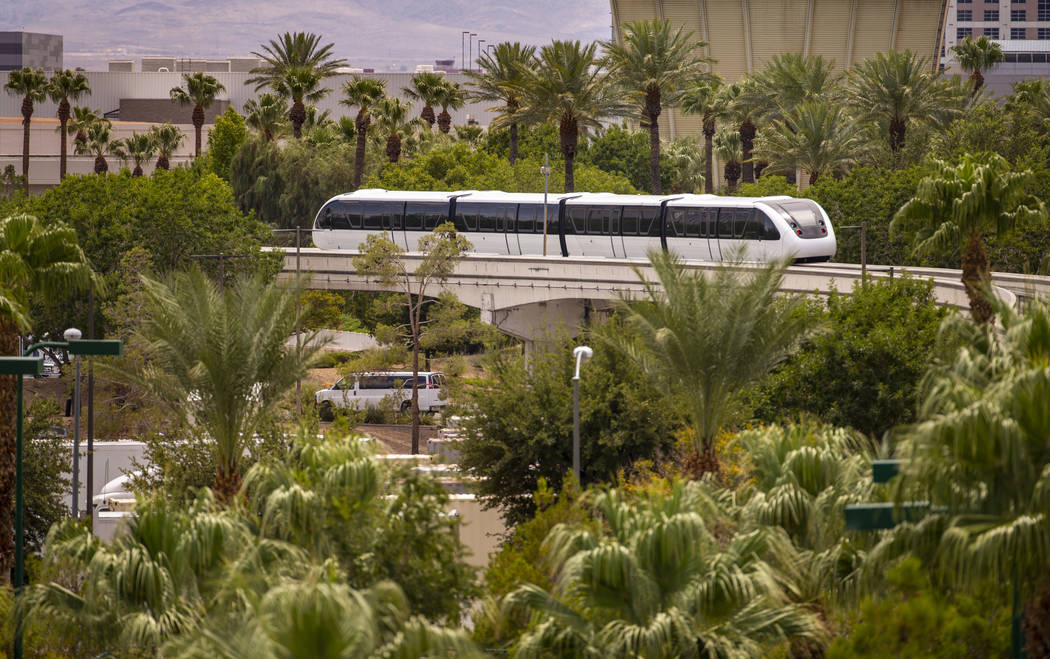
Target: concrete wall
<point>165,110</point>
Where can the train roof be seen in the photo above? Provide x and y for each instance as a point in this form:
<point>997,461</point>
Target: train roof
<point>379,194</point>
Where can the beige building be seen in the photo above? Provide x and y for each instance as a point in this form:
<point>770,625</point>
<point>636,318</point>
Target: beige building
<point>742,35</point>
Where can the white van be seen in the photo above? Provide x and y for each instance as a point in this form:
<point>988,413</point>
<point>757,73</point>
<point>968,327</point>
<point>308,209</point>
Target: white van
<point>369,389</point>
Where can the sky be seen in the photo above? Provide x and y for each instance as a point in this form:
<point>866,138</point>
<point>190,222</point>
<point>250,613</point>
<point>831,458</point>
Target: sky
<point>383,34</point>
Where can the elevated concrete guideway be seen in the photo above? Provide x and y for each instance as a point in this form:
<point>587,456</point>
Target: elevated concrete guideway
<point>528,296</point>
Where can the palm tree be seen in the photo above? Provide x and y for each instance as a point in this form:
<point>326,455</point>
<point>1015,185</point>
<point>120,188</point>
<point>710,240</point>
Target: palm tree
<point>300,84</point>
<point>649,578</point>
<point>979,456</point>
<point>815,135</point>
<point>727,145</point>
<point>218,359</point>
<point>364,94</point>
<point>977,56</point>
<point>40,263</point>
<point>292,51</point>
<point>267,115</point>
<point>569,88</point>
<point>450,95</point>
<point>139,148</point>
<point>958,203</point>
<point>898,90</point>
<point>706,100</point>
<point>687,162</point>
<point>654,64</point>
<point>97,143</point>
<point>708,338</point>
<point>790,79</point>
<point>200,91</point>
<point>31,85</point>
<point>82,118</point>
<point>167,138</point>
<point>66,86</point>
<point>425,88</point>
<point>744,106</point>
<point>392,120</point>
<point>499,78</point>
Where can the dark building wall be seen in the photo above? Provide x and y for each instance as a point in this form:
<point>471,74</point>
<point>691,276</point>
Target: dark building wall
<point>18,49</point>
<point>160,110</point>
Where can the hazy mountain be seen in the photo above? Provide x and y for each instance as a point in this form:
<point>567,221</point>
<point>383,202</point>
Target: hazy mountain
<point>379,33</point>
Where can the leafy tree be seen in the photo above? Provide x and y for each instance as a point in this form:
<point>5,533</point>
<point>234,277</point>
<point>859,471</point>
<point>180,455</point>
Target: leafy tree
<point>45,466</point>
<point>218,359</point>
<point>815,135</point>
<point>654,580</point>
<point>224,139</point>
<point>323,310</point>
<point>959,202</point>
<point>898,91</point>
<point>522,431</point>
<point>623,151</point>
<point>499,78</point>
<point>979,455</point>
<point>863,370</point>
<point>139,148</point>
<point>426,88</point>
<point>654,64</point>
<point>707,339</point>
<point>568,87</point>
<point>362,93</point>
<point>168,138</point>
<point>97,143</point>
<point>976,56</point>
<point>706,100</point>
<point>31,85</point>
<point>381,258</point>
<point>392,120</point>
<point>66,86</point>
<point>35,260</point>
<point>266,115</point>
<point>450,95</point>
<point>199,90</point>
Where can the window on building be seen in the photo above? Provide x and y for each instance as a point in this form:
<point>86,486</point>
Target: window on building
<point>991,14</point>
<point>963,32</point>
<point>1042,33</point>
<point>1017,15</point>
<point>965,2</point>
<point>964,14</point>
<point>991,32</point>
<point>1042,10</point>
<point>1017,33</point>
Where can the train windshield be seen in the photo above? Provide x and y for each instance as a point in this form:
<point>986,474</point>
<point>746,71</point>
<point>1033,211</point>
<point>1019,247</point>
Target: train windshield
<point>803,211</point>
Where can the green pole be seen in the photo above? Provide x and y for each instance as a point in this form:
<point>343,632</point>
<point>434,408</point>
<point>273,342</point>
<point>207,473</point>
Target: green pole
<point>19,555</point>
<point>1017,649</point>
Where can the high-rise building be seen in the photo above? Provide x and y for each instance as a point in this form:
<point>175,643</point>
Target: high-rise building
<point>42,51</point>
<point>1020,27</point>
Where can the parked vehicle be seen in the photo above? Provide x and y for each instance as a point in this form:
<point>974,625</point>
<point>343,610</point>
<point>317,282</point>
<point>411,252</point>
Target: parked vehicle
<point>370,389</point>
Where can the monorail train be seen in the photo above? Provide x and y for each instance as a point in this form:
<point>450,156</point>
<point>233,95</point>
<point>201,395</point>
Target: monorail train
<point>696,227</point>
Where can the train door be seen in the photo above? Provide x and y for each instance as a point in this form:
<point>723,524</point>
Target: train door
<point>732,223</point>
<point>597,241</point>
<point>574,229</point>
<point>615,233</point>
<point>640,229</point>
<point>687,232</point>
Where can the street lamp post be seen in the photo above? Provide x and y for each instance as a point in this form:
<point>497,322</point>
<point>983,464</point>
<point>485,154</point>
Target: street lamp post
<point>546,171</point>
<point>581,353</point>
<point>463,49</point>
<point>470,51</point>
<point>72,334</point>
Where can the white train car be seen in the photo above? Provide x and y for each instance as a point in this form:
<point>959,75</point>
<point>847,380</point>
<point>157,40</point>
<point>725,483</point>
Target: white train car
<point>696,227</point>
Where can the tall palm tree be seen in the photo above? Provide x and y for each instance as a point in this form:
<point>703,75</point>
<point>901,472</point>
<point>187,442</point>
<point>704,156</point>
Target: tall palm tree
<point>139,149</point>
<point>654,65</point>
<point>199,90</point>
<point>815,135</point>
<point>898,90</point>
<point>40,263</point>
<point>499,78</point>
<point>218,359</point>
<point>300,84</point>
<point>790,79</point>
<point>392,120</point>
<point>745,106</point>
<point>96,143</point>
<point>569,88</point>
<point>81,118</point>
<point>31,85</point>
<point>979,455</point>
<point>364,94</point>
<point>168,139</point>
<point>425,88</point>
<point>705,99</point>
<point>267,115</point>
<point>650,578</point>
<point>450,95</point>
<point>727,145</point>
<point>708,338</point>
<point>958,203</point>
<point>290,51</point>
<point>977,56</point>
<point>66,86</point>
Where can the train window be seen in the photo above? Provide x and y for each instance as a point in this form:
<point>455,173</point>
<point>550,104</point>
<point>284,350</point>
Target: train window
<point>466,217</point>
<point>741,216</point>
<point>676,220</point>
<point>324,219</point>
<point>650,224</point>
<point>488,218</point>
<point>424,216</point>
<point>725,223</point>
<point>376,214</point>
<point>527,218</point>
<point>352,211</point>
<point>769,230</point>
<point>576,220</point>
<point>630,219</point>
<point>598,221</point>
<point>754,229</point>
<point>709,223</point>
